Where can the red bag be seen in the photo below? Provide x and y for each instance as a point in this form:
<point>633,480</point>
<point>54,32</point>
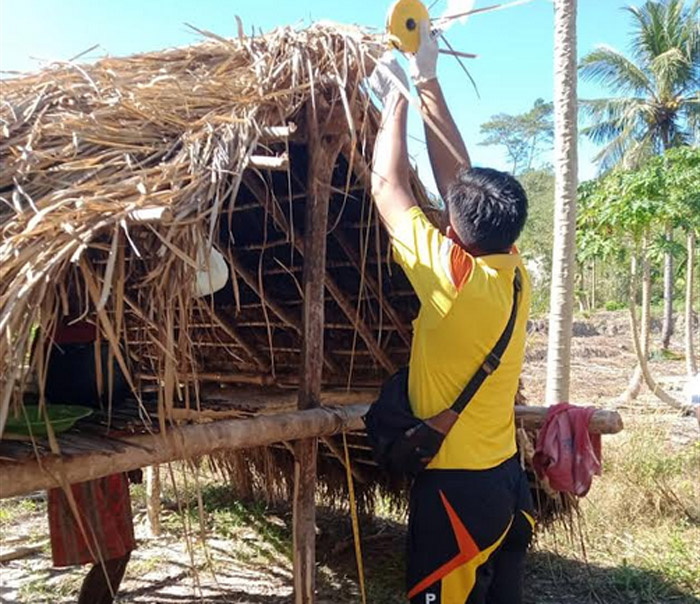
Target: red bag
<point>566,452</point>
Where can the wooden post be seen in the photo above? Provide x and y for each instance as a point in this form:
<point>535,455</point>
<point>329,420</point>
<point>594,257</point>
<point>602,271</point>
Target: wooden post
<point>322,160</point>
<point>153,499</point>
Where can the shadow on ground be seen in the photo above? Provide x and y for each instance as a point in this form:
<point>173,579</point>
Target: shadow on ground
<point>550,578</point>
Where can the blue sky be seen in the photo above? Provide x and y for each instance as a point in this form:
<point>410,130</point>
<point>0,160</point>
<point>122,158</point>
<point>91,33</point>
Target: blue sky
<point>514,45</point>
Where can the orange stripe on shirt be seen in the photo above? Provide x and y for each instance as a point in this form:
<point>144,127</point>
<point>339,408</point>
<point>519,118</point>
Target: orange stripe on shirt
<point>461,265</point>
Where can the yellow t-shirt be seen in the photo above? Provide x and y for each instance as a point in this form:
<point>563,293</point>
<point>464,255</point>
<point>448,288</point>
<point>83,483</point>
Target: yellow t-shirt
<point>465,305</point>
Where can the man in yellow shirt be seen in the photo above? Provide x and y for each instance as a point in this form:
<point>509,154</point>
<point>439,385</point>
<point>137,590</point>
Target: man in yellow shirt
<point>470,516</point>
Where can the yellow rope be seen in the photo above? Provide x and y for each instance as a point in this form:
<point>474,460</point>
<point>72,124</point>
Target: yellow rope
<point>355,522</point>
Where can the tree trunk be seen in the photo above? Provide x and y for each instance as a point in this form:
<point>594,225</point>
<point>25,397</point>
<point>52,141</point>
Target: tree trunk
<point>594,284</point>
<point>661,394</point>
<point>667,329</point>
<point>690,363</point>
<point>635,384</point>
<point>566,181</point>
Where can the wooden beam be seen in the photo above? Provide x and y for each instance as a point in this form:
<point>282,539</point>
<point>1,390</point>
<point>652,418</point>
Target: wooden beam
<point>602,422</point>
<point>181,443</point>
<point>195,440</point>
<point>250,280</point>
<point>337,293</point>
<point>153,499</point>
<point>229,326</point>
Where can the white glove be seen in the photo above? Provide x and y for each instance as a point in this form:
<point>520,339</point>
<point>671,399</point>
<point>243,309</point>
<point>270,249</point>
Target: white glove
<point>423,64</point>
<point>387,76</point>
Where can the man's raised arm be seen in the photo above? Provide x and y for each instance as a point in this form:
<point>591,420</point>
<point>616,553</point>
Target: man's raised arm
<point>390,168</point>
<point>445,161</point>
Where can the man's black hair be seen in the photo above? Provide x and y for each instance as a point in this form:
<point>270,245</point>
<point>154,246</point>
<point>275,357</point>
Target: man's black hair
<point>487,209</point>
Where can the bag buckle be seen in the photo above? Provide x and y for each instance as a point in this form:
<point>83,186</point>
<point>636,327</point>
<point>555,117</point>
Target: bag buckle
<point>491,363</point>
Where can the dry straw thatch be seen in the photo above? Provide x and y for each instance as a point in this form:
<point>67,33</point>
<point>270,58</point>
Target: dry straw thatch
<point>88,150</point>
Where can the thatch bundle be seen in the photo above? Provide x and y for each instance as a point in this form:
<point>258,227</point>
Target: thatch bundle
<point>115,176</point>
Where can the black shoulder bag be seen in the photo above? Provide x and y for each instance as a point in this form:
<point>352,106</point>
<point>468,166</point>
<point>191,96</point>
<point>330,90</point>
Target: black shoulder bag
<point>402,443</point>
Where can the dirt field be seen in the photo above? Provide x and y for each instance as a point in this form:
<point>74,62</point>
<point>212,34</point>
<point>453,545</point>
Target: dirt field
<point>640,523</point>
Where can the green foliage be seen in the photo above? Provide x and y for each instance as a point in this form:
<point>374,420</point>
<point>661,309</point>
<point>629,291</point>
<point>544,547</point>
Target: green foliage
<point>524,136</point>
<point>656,103</point>
<point>617,208</point>
<point>614,305</point>
<point>537,236</point>
<point>535,243</point>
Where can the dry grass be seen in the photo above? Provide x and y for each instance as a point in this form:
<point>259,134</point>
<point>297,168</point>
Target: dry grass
<point>641,521</point>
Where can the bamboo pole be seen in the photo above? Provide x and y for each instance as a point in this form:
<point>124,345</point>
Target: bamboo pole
<point>195,440</point>
<point>181,443</point>
<point>265,162</point>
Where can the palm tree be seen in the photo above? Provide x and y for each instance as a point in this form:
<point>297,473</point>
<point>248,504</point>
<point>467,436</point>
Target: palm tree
<point>657,104</point>
<point>566,180</point>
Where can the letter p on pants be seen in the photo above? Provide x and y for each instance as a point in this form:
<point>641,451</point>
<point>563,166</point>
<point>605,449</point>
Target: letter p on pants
<point>430,598</point>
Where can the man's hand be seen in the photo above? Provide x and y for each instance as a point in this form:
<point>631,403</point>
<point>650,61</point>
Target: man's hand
<point>423,64</point>
<point>387,78</point>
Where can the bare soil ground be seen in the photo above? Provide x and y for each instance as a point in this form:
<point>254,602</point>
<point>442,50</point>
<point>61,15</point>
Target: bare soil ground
<point>638,540</point>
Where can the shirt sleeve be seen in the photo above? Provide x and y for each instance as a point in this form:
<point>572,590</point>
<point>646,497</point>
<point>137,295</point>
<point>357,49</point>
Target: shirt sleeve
<point>426,256</point>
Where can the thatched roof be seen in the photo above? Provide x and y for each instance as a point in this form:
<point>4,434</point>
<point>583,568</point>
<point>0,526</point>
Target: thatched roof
<point>113,175</point>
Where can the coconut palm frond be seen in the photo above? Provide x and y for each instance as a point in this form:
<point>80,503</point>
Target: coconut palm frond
<point>672,70</point>
<point>611,68</point>
<point>664,70</point>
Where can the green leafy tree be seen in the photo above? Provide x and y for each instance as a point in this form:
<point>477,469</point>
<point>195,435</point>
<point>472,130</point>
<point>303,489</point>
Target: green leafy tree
<point>625,208</point>
<point>656,106</point>
<point>525,136</point>
<point>535,243</point>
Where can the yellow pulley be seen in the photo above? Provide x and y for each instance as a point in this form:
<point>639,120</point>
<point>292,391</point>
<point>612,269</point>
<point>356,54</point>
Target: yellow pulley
<point>403,24</point>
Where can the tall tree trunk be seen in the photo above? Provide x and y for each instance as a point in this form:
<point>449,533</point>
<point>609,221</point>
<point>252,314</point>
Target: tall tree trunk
<point>667,329</point>
<point>690,363</point>
<point>655,389</point>
<point>635,383</point>
<point>566,181</point>
<point>594,283</point>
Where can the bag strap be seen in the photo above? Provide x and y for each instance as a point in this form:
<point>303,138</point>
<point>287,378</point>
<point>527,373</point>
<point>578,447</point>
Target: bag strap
<point>493,358</point>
